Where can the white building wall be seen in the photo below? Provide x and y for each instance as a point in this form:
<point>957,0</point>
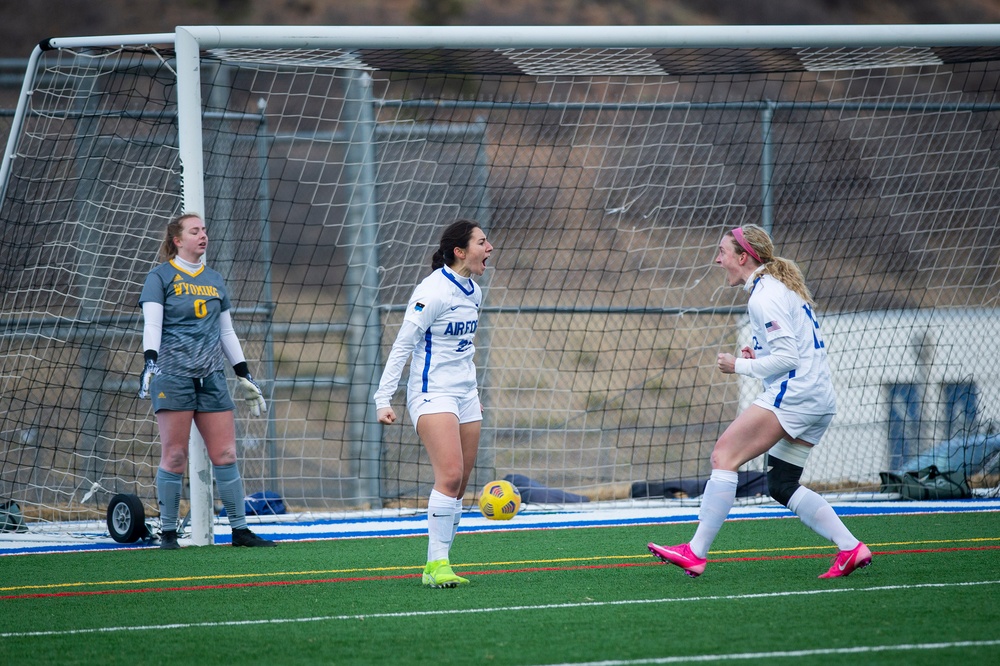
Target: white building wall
<point>869,351</point>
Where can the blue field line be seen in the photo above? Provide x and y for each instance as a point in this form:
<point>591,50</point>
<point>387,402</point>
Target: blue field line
<point>903,508</point>
<point>93,536</point>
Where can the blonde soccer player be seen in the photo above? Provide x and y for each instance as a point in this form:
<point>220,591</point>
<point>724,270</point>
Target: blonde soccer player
<point>790,415</point>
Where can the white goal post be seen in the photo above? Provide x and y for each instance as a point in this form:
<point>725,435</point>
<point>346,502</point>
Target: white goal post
<point>603,162</point>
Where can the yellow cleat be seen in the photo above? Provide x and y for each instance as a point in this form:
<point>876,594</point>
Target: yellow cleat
<point>439,574</point>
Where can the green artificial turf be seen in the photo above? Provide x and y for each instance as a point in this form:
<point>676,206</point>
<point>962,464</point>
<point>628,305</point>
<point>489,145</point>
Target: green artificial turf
<point>535,597</point>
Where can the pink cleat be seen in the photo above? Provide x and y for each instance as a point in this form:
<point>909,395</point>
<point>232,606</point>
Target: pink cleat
<point>681,556</point>
<point>848,560</point>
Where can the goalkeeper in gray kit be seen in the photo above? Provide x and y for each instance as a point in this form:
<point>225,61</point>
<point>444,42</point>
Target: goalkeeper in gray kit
<point>187,331</point>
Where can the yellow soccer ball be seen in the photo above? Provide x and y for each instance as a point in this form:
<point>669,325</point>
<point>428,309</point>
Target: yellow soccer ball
<point>500,500</point>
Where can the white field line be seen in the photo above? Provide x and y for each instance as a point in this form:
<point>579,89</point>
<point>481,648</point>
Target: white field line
<point>465,611</point>
<point>794,654</point>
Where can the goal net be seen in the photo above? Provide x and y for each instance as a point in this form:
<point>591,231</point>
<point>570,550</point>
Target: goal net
<point>603,170</point>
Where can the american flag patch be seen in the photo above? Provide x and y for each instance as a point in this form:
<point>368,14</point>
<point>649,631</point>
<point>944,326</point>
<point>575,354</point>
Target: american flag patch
<point>772,326</point>
<point>418,307</point>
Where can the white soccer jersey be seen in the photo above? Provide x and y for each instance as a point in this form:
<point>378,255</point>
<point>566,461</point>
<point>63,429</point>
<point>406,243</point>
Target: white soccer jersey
<point>437,334</point>
<point>776,312</point>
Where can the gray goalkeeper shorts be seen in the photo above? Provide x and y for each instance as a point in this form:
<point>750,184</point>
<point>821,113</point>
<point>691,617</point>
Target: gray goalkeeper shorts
<point>184,394</point>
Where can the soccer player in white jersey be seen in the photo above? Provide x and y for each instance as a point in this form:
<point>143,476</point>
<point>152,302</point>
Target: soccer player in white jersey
<point>187,329</point>
<point>787,419</point>
<point>442,395</point>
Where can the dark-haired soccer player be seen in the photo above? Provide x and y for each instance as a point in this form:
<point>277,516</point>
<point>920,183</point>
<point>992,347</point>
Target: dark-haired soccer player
<point>442,395</point>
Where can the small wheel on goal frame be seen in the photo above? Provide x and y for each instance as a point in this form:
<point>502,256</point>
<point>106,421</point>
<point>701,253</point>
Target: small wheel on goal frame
<point>126,518</point>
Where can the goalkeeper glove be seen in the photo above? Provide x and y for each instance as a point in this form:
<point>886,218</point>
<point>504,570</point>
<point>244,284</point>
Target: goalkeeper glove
<point>251,390</point>
<point>148,372</point>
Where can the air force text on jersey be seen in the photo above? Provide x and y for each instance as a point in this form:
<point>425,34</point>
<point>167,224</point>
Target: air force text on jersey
<point>461,327</point>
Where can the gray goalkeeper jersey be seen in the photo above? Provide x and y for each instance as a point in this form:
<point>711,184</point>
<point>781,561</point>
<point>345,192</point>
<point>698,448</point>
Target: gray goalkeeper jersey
<point>191,344</point>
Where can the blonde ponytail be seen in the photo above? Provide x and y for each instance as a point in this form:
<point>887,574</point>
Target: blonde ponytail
<point>784,270</point>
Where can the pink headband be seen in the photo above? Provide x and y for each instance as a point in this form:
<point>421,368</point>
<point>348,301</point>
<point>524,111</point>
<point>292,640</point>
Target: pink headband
<point>738,235</point>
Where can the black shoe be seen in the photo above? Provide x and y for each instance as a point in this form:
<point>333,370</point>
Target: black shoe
<point>168,540</point>
<point>244,537</point>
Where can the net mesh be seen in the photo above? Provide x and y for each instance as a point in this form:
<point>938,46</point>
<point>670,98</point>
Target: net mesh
<point>604,178</point>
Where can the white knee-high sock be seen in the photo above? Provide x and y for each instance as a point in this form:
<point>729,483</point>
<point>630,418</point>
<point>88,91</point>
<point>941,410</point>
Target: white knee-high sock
<point>820,517</point>
<point>440,525</point>
<point>458,518</point>
<point>716,501</point>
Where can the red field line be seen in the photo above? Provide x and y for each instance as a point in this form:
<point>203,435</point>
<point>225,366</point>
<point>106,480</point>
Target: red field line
<point>827,556</point>
<point>484,572</point>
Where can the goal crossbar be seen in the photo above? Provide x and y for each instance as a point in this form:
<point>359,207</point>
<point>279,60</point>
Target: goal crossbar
<point>468,37</point>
